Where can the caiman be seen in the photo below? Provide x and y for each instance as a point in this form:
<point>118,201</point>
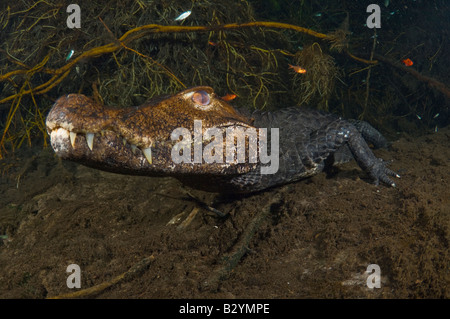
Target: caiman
<point>167,135</point>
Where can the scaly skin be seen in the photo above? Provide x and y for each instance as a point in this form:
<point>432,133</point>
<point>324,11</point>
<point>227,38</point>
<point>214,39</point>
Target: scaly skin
<point>137,140</point>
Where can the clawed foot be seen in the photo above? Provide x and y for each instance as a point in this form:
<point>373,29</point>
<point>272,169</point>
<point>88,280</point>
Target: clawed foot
<point>379,172</point>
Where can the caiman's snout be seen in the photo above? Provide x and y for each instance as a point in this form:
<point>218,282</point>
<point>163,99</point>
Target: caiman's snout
<point>73,115</point>
<point>85,131</point>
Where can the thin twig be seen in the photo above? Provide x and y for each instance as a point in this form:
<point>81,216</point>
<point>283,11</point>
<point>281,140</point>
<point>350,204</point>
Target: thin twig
<point>366,100</point>
<point>132,272</point>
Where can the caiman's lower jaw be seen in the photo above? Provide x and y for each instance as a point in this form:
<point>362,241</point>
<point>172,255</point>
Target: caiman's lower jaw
<point>106,148</point>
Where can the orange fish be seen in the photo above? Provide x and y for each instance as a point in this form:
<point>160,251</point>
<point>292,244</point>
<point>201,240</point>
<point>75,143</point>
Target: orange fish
<point>407,62</point>
<point>212,43</point>
<point>229,97</point>
<point>297,68</point>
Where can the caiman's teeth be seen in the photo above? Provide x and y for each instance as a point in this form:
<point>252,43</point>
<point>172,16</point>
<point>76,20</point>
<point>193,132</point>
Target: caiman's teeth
<point>73,136</point>
<point>90,140</point>
<point>148,154</point>
<point>133,148</point>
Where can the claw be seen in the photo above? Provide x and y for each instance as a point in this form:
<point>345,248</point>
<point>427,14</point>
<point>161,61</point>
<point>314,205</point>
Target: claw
<point>380,173</point>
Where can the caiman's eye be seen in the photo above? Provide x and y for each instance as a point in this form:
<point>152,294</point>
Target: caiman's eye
<point>201,98</point>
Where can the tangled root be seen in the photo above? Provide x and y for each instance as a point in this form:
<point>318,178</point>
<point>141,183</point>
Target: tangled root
<point>317,84</point>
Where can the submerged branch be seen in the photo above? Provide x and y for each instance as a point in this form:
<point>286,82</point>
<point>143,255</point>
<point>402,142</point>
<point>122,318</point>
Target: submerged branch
<point>132,35</point>
<point>423,78</point>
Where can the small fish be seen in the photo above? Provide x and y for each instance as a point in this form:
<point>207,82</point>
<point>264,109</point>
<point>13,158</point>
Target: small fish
<point>297,69</point>
<point>386,3</point>
<point>183,16</point>
<point>435,129</point>
<point>70,55</point>
<point>407,62</point>
<point>436,115</point>
<point>318,14</point>
<point>229,97</point>
<point>212,43</point>
<point>418,116</point>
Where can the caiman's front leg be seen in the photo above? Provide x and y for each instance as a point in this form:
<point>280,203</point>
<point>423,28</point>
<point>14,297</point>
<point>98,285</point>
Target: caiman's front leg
<point>327,140</point>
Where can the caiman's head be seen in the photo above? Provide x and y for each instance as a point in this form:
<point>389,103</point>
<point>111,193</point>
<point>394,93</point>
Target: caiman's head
<point>139,140</point>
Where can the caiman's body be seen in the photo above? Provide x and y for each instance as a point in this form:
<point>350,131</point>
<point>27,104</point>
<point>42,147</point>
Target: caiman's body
<point>137,140</point>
